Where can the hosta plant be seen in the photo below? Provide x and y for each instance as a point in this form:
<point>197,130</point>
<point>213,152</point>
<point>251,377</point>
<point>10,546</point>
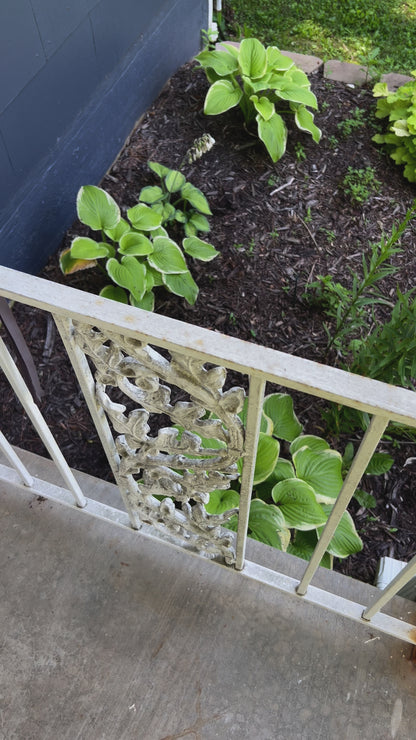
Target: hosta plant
<point>400,137</point>
<point>177,200</point>
<point>264,83</point>
<point>297,479</point>
<point>138,253</point>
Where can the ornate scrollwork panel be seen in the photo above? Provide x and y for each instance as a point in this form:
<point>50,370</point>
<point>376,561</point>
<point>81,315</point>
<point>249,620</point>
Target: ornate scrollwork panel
<point>167,477</point>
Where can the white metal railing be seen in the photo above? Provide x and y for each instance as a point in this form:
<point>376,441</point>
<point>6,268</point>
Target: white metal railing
<point>144,355</point>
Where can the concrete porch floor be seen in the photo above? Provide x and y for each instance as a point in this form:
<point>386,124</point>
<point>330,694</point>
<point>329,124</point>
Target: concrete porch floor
<point>106,635</point>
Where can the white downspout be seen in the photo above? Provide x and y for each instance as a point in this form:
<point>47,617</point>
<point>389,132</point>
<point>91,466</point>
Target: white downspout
<point>212,26</point>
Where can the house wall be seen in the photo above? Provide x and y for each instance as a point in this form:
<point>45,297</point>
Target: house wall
<point>76,76</point>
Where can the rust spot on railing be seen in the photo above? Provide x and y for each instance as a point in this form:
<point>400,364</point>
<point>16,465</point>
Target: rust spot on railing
<point>412,637</point>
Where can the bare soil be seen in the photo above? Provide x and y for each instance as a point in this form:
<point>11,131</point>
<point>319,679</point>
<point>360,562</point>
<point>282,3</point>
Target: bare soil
<point>277,226</point>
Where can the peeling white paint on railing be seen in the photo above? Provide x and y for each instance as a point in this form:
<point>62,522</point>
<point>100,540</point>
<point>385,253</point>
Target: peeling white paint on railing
<point>145,356</point>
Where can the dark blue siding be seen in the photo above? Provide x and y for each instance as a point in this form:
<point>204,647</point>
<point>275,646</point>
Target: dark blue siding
<point>89,69</point>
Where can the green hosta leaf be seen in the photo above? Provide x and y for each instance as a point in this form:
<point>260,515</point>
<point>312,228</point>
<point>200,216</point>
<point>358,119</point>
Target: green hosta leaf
<point>303,546</point>
<point>304,121</point>
<point>128,274</point>
<point>365,499</point>
<point>266,424</point>
<point>298,77</point>
<point>135,243</point>
<point>180,216</point>
<point>265,522</point>
<point>220,501</point>
<point>252,58</point>
<point>267,454</point>
<point>147,303</point>
<point>322,470</point>
<point>144,218</point>
<point>296,499</point>
<point>85,248</point>
<point>222,96</point>
<point>158,169</point>
<point>114,293</point>
<point>196,198</point>
<point>308,440</point>
<point>277,61</point>
<point>345,540</point>
<point>199,249</point>
<point>174,181</point>
<point>380,463</point>
<point>154,277</point>
<point>264,106</point>
<point>183,285</point>
<point>151,194</point>
<point>200,222</point>
<point>289,91</point>
<point>122,228</point>
<point>190,229</point>
<point>283,469</point>
<point>222,62</point>
<point>273,134</point>
<point>279,408</point>
<point>167,257</point>
<point>231,48</point>
<point>160,231</point>
<point>168,212</point>
<point>96,208</point>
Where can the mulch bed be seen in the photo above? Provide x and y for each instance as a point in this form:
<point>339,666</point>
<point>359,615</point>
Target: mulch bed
<point>277,226</point>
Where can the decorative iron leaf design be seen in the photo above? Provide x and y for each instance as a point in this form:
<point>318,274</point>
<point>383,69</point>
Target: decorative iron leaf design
<point>167,478</point>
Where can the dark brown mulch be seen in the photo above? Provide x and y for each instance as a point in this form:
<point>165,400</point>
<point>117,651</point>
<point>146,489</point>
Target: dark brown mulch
<point>277,226</point>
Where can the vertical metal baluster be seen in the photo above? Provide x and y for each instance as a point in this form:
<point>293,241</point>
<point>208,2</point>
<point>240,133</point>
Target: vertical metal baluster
<point>87,384</point>
<point>391,589</point>
<point>14,460</point>
<point>254,411</point>
<point>25,397</point>
<point>361,460</point>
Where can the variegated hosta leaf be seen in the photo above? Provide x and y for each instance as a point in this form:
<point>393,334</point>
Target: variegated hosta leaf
<point>273,134</point>
<point>222,96</point>
<point>96,208</point>
<point>222,62</point>
<point>279,408</point>
<point>316,444</point>
<point>322,470</point>
<point>128,274</point>
<point>199,249</point>
<point>345,540</point>
<point>267,524</point>
<point>252,58</point>
<point>221,501</point>
<point>296,500</point>
<point>144,218</point>
<point>84,248</point>
<point>303,545</point>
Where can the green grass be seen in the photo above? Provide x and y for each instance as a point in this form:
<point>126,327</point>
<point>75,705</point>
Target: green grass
<point>349,30</point>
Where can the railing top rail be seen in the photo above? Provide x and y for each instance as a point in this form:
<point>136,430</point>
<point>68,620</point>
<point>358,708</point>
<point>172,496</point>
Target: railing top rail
<point>296,373</point>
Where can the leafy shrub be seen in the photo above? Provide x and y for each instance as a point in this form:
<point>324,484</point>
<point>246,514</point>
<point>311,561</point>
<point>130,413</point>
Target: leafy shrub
<point>256,79</point>
<point>385,351</point>
<point>400,109</point>
<point>138,252</point>
<point>348,307</point>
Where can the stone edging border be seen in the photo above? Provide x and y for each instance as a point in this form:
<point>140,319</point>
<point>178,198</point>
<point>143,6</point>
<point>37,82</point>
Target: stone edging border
<point>347,72</point>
